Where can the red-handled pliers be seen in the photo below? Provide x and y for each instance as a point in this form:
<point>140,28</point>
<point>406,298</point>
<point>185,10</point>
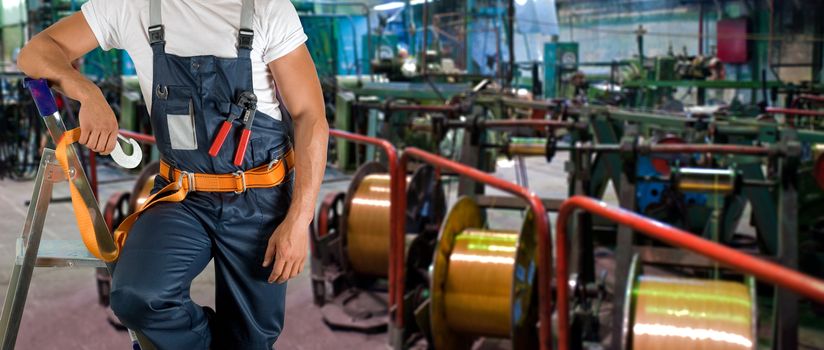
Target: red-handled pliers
<point>248,102</point>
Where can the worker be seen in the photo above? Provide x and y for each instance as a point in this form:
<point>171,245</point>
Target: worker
<point>203,65</point>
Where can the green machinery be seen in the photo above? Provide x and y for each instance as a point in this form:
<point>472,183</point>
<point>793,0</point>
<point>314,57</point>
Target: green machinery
<point>560,61</point>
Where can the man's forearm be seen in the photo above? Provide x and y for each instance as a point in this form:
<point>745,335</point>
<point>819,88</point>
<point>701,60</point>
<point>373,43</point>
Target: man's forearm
<point>43,58</point>
<point>311,143</point>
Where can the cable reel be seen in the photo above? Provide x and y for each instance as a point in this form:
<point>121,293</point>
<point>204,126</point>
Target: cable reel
<point>687,313</point>
<point>483,281</point>
<point>366,215</point>
<point>350,244</point>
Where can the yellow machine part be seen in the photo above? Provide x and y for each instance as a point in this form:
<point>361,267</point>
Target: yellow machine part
<point>367,228</point>
<point>678,313</point>
<point>478,291</point>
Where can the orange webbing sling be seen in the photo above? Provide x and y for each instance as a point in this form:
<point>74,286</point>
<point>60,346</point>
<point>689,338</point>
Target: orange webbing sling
<point>81,211</point>
<point>268,175</point>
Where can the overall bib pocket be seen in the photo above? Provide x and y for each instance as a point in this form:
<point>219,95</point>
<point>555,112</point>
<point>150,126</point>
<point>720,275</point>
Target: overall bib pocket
<point>180,119</point>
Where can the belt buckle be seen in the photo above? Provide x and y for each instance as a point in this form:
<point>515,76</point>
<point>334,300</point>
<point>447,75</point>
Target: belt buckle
<point>191,180</point>
<point>274,162</point>
<point>242,176</point>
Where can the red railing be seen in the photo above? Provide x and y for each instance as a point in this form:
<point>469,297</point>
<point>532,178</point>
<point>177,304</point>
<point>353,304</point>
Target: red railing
<point>761,269</point>
<point>514,123</point>
<point>795,112</point>
<point>395,267</point>
<point>541,230</point>
<point>142,138</point>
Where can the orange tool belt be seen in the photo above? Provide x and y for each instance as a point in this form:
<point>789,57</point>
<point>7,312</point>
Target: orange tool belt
<point>181,184</point>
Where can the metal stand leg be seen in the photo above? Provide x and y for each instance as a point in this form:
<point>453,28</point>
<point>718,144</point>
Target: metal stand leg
<point>18,290</point>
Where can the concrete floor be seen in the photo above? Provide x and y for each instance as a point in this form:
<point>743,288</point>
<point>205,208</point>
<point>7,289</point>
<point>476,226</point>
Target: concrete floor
<point>63,313</point>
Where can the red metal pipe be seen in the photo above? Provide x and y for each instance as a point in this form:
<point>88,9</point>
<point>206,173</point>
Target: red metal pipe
<point>708,148</point>
<point>395,242</point>
<point>397,107</point>
<point>795,112</point>
<point>762,269</point>
<point>541,230</point>
<point>814,98</point>
<point>149,139</point>
<point>509,123</point>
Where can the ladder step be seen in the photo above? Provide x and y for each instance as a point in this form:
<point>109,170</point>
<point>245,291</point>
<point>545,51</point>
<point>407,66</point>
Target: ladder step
<point>60,253</point>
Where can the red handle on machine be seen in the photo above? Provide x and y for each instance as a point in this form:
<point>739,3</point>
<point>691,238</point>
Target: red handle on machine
<point>220,138</point>
<point>241,146</point>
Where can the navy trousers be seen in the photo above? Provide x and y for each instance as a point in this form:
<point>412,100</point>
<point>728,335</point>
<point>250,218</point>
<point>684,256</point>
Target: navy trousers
<point>172,243</point>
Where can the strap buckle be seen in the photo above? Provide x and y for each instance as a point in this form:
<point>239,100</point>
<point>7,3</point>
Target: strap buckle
<point>274,162</point>
<point>245,38</point>
<point>156,34</point>
<point>242,176</point>
<point>190,178</point>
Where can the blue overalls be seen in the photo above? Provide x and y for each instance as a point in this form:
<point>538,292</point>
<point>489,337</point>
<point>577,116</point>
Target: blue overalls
<point>171,243</point>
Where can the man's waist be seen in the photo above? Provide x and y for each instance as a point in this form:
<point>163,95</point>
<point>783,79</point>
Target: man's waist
<point>268,175</point>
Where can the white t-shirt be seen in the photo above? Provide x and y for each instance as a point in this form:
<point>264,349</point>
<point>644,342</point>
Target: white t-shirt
<point>199,27</point>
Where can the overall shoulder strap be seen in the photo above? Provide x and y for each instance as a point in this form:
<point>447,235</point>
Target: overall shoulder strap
<point>156,33</point>
<point>246,34</point>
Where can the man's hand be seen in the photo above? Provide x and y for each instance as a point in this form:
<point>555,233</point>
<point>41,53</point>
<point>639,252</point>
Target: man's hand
<point>288,246</point>
<point>98,124</point>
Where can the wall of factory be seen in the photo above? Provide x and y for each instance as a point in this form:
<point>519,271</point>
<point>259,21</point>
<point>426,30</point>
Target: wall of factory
<point>784,41</point>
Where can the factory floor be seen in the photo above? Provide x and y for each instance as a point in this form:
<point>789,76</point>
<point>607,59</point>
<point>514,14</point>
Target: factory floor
<point>62,311</point>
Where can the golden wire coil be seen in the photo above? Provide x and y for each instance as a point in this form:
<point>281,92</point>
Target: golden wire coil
<point>144,192</point>
<point>676,313</point>
<point>367,228</point>
<point>478,290</point>
<point>706,180</point>
<point>483,281</point>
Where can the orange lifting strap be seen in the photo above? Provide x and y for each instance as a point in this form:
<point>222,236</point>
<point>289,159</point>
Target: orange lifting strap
<point>268,175</point>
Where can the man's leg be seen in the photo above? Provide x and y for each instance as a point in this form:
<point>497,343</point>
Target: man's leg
<point>165,250</point>
<point>250,311</point>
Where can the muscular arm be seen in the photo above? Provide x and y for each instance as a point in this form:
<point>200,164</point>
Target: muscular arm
<point>299,87</point>
<point>49,56</point>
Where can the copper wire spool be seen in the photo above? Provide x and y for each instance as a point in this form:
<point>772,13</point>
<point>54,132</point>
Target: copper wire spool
<point>690,313</point>
<point>368,226</point>
<point>143,186</point>
<point>483,281</point>
<point>366,215</point>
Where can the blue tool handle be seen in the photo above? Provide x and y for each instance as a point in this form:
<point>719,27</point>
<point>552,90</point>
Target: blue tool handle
<point>42,94</point>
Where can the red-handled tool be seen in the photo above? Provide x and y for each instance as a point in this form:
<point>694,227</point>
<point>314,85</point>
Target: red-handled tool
<point>221,135</point>
<point>247,101</point>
